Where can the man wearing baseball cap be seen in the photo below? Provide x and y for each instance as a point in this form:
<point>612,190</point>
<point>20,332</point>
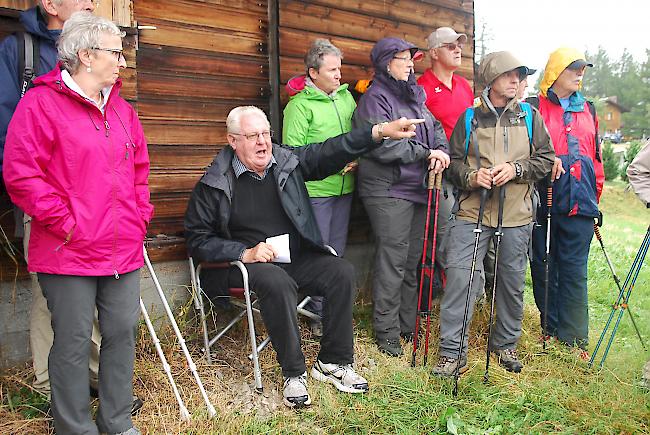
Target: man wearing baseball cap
<point>448,94</point>
<point>577,180</point>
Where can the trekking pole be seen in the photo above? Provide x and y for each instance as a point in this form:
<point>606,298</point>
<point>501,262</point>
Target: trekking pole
<point>547,260</point>
<point>190,362</point>
<point>616,280</point>
<point>185,415</point>
<point>430,185</point>
<point>438,188</point>
<point>629,279</point>
<point>498,234</point>
<point>478,230</point>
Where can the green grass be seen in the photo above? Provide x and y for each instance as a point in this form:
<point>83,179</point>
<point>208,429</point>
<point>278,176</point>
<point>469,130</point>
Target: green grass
<point>555,393</point>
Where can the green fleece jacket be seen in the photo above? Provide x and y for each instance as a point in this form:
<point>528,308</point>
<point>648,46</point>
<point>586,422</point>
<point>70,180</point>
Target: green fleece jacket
<point>310,117</point>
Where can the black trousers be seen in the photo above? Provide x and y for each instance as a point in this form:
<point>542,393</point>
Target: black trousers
<point>315,274</point>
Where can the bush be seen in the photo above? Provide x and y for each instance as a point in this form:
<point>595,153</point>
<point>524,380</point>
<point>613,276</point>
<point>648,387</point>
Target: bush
<point>630,154</point>
<point>610,163</point>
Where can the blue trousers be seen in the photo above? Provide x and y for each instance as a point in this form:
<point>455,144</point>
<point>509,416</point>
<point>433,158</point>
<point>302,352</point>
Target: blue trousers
<point>568,311</point>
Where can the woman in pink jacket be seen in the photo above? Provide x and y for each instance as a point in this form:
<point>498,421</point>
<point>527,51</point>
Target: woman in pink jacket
<point>76,161</point>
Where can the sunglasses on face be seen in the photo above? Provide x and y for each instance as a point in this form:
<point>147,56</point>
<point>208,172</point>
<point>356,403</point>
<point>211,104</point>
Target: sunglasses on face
<point>452,46</point>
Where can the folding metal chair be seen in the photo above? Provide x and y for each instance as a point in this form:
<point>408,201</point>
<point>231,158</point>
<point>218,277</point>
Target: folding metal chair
<point>248,306</point>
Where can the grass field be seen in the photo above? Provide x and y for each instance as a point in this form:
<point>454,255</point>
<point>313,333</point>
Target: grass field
<point>554,393</point>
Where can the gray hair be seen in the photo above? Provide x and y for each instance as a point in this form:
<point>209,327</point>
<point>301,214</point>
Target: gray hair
<point>82,31</point>
<point>320,48</point>
<point>233,122</point>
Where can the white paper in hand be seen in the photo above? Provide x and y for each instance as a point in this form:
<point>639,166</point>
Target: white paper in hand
<point>281,245</point>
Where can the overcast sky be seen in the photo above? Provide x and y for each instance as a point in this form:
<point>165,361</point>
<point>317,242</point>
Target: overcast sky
<point>532,29</point>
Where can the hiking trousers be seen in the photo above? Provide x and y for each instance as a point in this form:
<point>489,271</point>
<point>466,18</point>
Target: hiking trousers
<point>72,300</point>
<point>509,298</point>
<point>41,335</point>
<point>568,305</point>
<point>332,216</point>
<point>398,226</point>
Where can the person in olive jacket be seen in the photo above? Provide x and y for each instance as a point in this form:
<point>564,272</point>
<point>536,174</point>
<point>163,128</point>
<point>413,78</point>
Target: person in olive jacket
<point>499,157</point>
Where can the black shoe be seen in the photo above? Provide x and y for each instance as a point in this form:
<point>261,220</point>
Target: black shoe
<point>136,405</point>
<point>390,346</point>
<point>508,360</point>
<point>94,393</point>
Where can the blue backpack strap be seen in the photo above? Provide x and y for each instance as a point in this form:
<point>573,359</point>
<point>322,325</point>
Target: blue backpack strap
<point>469,116</point>
<point>528,110</point>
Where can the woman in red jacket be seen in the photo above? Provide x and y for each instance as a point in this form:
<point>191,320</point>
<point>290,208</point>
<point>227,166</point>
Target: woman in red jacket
<point>76,161</point>
<point>577,179</point>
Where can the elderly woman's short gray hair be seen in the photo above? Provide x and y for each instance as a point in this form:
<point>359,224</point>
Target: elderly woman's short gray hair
<point>82,31</point>
<point>320,48</point>
<point>233,122</point>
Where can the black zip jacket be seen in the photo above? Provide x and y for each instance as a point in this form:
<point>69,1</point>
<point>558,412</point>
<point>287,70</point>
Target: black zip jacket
<point>208,211</point>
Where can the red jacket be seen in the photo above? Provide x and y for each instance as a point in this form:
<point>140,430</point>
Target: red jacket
<point>573,133</point>
<point>446,104</point>
<point>69,166</point>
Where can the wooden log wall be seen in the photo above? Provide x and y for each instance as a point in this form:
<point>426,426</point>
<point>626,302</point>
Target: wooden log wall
<point>355,26</point>
<point>207,56</point>
<point>203,59</point>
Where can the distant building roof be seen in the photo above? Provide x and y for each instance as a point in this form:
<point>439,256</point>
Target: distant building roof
<point>613,101</point>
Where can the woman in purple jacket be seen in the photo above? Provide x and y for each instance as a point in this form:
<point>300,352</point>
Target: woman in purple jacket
<point>391,185</point>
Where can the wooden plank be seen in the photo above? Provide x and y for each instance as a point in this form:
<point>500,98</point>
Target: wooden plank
<point>171,86</point>
<point>170,205</point>
<point>105,9</point>
<point>183,157</point>
<point>257,6</point>
<point>166,248</point>
<point>407,11</point>
<point>173,181</point>
<point>123,13</point>
<point>187,110</point>
<point>464,5</point>
<point>179,61</point>
<point>184,13</point>
<point>300,15</point>
<point>175,133</point>
<point>202,39</point>
<point>295,43</point>
<point>16,4</point>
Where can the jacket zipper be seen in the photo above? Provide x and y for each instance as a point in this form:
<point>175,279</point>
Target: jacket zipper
<point>338,116</point>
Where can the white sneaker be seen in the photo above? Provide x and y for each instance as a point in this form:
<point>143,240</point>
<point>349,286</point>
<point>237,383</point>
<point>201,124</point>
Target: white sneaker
<point>295,391</point>
<point>343,377</point>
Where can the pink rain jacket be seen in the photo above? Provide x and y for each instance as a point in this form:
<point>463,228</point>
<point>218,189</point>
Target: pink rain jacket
<point>68,166</point>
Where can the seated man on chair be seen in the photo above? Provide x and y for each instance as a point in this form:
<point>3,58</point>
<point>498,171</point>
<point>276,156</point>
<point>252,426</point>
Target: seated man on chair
<point>255,189</point>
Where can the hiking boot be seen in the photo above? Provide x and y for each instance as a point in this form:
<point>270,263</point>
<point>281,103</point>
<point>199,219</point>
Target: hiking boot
<point>390,346</point>
<point>295,392</point>
<point>342,376</point>
<point>508,359</point>
<point>446,367</point>
<point>316,328</point>
<point>136,405</point>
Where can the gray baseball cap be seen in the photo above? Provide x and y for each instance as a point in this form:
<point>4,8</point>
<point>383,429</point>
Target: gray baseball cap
<point>445,35</point>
